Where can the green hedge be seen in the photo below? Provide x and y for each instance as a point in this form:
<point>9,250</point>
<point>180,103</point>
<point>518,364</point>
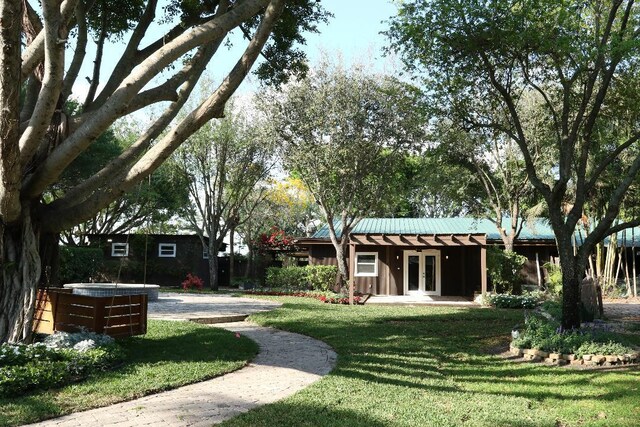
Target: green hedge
<point>314,277</point>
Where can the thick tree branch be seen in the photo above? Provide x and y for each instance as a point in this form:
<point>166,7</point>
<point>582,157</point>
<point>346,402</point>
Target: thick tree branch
<point>51,83</point>
<point>128,59</point>
<point>113,108</point>
<point>105,175</point>
<point>34,53</point>
<point>79,53</point>
<point>209,109</point>
<point>10,170</point>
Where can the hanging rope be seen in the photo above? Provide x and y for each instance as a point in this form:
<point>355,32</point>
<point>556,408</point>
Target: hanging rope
<point>120,272</point>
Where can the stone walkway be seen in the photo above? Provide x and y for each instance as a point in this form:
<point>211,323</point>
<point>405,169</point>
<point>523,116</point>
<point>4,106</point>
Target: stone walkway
<point>175,306</point>
<point>286,363</point>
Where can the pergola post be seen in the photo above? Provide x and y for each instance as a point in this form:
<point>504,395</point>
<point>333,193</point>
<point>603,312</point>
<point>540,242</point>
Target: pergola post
<point>483,269</point>
<point>352,264</point>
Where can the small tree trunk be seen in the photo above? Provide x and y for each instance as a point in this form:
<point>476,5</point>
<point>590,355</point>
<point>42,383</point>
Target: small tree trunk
<point>232,255</point>
<point>599,262</point>
<point>19,278</point>
<point>343,272</point>
<point>213,267</point>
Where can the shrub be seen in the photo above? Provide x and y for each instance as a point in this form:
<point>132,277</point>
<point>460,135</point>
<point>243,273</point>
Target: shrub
<point>514,301</point>
<point>553,308</point>
<point>192,281</point>
<point>554,278</point>
<point>314,277</point>
<point>80,264</point>
<point>603,348</point>
<point>322,277</point>
<point>504,269</point>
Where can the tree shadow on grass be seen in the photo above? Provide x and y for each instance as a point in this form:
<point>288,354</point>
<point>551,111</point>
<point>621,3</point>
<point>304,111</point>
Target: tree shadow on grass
<point>439,350</point>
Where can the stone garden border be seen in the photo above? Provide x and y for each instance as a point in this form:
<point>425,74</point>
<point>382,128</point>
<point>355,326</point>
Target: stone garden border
<point>558,359</point>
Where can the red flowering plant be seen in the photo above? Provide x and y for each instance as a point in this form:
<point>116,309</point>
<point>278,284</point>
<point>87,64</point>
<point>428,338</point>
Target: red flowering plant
<point>275,239</point>
<point>192,281</point>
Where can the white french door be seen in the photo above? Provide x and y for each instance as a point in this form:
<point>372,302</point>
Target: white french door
<point>422,272</point>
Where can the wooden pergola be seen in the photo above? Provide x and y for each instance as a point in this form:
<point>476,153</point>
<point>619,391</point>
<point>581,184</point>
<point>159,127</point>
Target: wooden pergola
<point>429,240</point>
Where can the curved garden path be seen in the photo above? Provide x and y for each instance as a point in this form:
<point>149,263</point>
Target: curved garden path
<point>286,363</point>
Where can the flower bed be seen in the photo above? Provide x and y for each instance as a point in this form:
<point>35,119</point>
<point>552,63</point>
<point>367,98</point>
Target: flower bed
<point>542,339</point>
<point>526,300</point>
<point>328,297</point>
<point>63,358</point>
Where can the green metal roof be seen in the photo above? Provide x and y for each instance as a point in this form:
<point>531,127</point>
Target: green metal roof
<point>537,230</point>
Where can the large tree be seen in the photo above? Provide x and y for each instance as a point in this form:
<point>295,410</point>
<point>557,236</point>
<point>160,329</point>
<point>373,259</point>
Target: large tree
<point>226,164</point>
<point>38,141</point>
<point>580,60</point>
<point>341,133</point>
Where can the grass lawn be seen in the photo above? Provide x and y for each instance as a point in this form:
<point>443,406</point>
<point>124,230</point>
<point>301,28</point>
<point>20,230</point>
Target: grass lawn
<point>428,366</point>
<point>171,354</point>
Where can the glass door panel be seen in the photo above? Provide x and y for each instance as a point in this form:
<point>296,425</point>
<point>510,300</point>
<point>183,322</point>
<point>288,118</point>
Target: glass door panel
<point>413,272</point>
<point>429,273</point>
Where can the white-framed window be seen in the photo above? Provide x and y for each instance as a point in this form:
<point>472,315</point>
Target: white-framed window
<point>205,252</point>
<point>120,249</point>
<point>366,264</point>
<point>167,250</point>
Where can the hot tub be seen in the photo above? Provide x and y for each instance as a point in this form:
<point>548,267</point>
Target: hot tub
<point>111,289</point>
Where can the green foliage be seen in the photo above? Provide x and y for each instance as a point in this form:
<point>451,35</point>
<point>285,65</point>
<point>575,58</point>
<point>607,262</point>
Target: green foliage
<point>513,301</point>
<point>603,348</point>
<point>432,187</point>
<point>553,308</point>
<point>544,334</point>
<point>554,278</point>
<point>24,368</point>
<point>80,264</point>
<point>504,269</point>
<point>342,131</point>
<point>322,277</point>
<point>314,277</point>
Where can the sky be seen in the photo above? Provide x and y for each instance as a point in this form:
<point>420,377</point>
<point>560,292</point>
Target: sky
<point>352,34</point>
<point>354,30</point>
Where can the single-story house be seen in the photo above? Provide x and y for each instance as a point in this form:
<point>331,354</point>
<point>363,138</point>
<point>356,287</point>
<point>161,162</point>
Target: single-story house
<point>427,256</point>
<point>163,259</point>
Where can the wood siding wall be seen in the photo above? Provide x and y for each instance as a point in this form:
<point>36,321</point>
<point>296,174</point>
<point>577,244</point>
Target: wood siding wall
<point>460,268</point>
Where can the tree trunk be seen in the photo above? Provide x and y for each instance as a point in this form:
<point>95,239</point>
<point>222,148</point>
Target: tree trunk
<point>232,255</point>
<point>571,282</point>
<point>213,268</point>
<point>50,260</point>
<point>343,272</point>
<point>20,263</point>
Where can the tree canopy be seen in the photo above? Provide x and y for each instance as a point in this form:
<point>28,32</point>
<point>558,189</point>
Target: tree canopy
<point>578,60</point>
<point>341,133</point>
